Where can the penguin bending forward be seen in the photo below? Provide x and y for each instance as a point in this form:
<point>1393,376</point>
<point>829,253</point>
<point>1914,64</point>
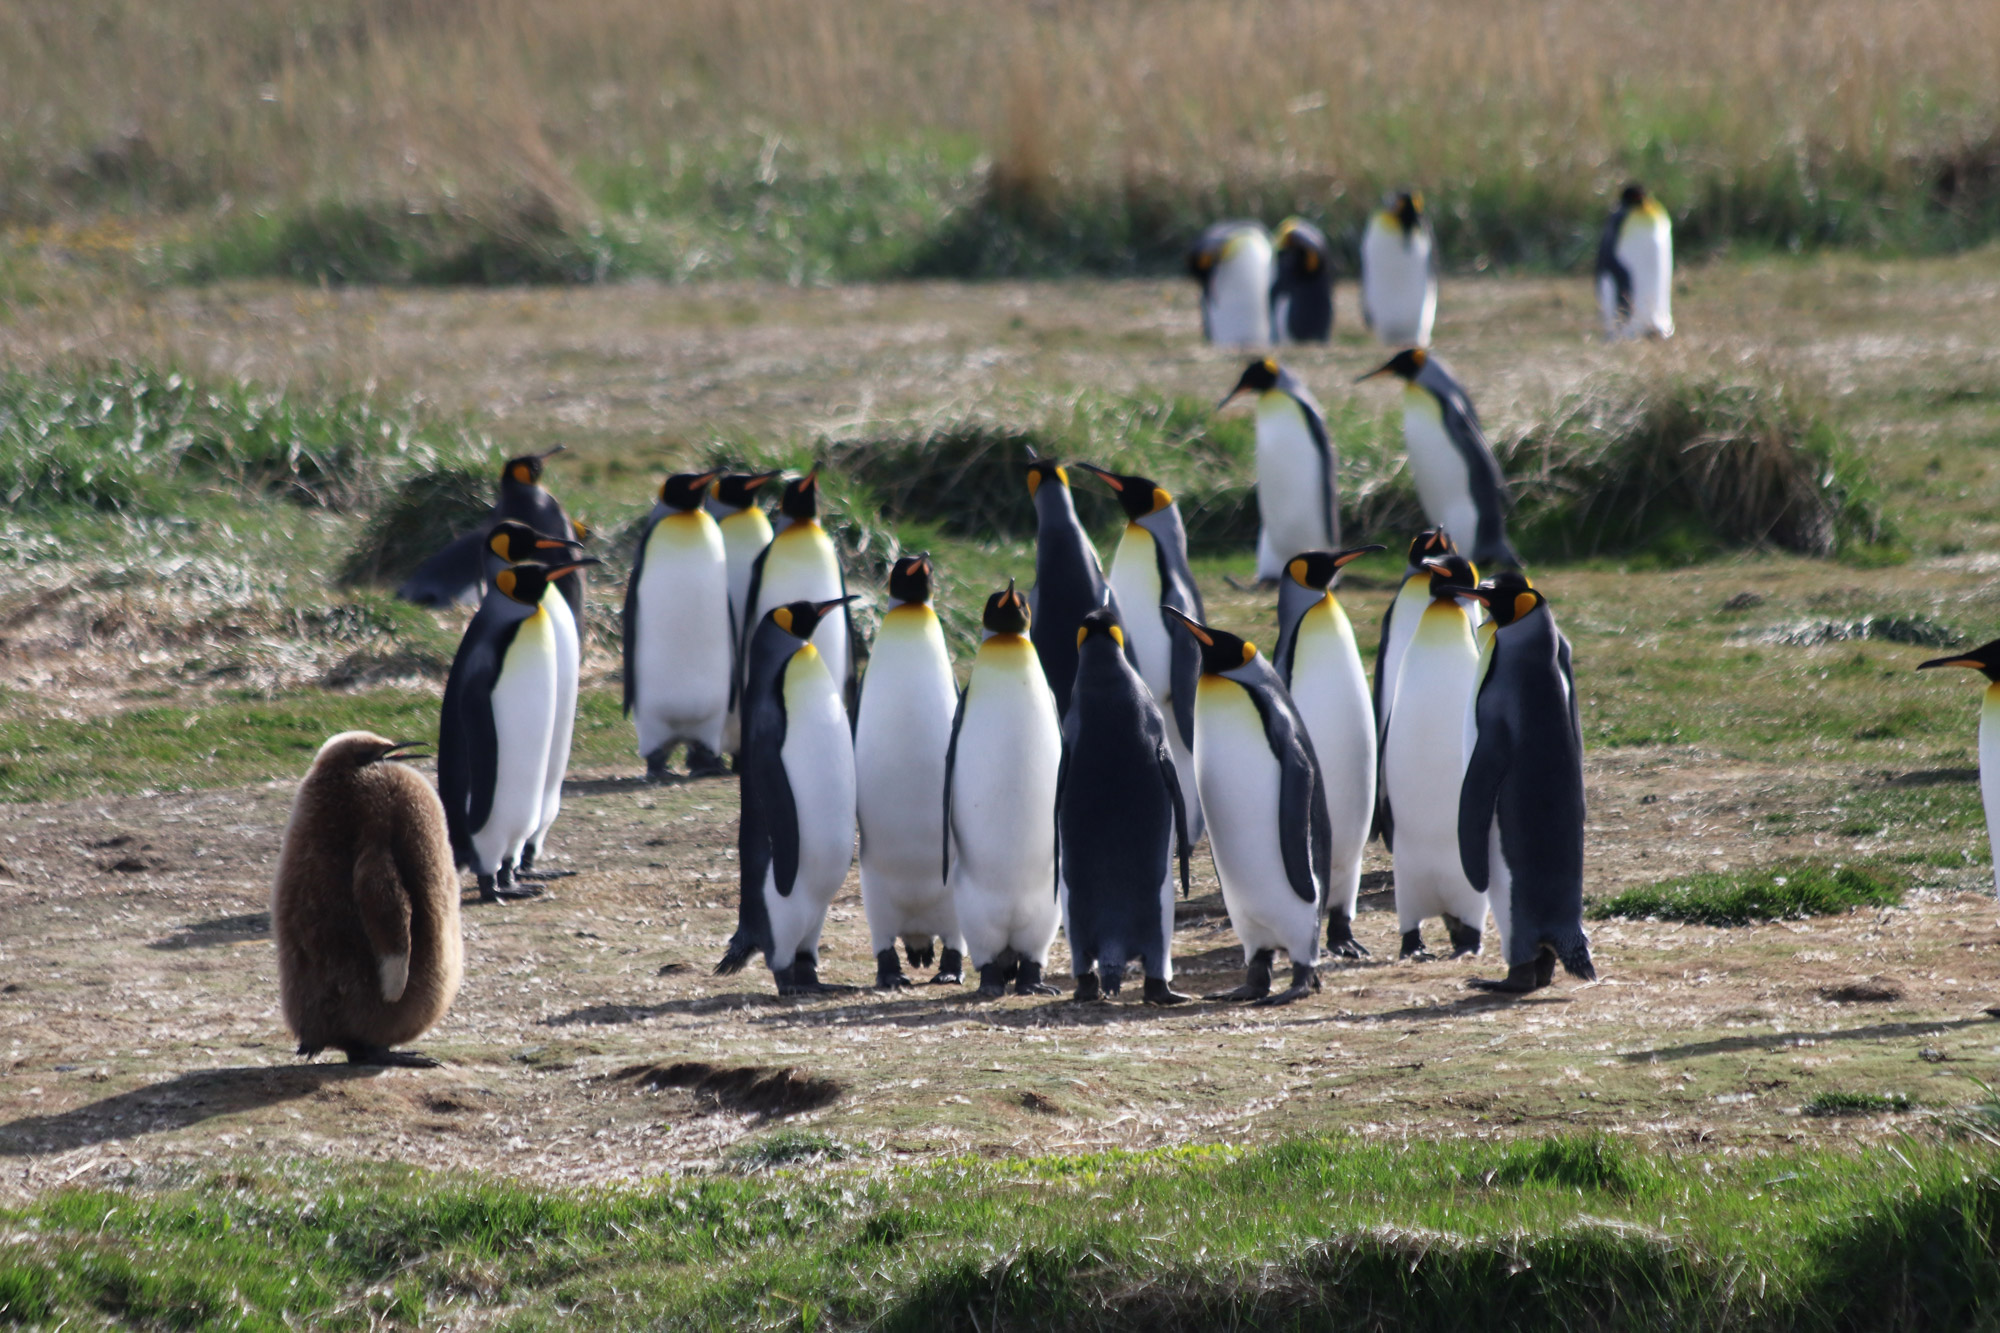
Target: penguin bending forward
<point>795,837</point>
<point>1399,272</point>
<point>679,657</point>
<point>1521,808</point>
<point>1267,823</point>
<point>1000,805</point>
<point>1298,487</point>
<point>1069,581</point>
<point>456,574</point>
<point>801,565</point>
<point>1459,481</point>
<point>365,908</point>
<point>1302,291</point>
<point>1985,659</point>
<point>1635,268</point>
<point>1120,820</point>
<point>1232,262</point>
<point>901,735</point>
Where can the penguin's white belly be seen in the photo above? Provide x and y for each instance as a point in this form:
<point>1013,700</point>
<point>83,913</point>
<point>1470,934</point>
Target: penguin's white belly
<point>1291,480</point>
<point>1239,295</point>
<point>1411,599</point>
<point>1444,481</point>
<point>1500,891</point>
<point>568,668</point>
<point>1330,689</point>
<point>802,567</point>
<point>1645,248</point>
<point>818,755</point>
<point>524,710</point>
<point>1423,766</point>
<point>1989,773</point>
<point>1397,289</point>
<point>1239,780</point>
<point>1003,806</point>
<point>684,655</point>
<point>1135,579</point>
<point>901,736</point>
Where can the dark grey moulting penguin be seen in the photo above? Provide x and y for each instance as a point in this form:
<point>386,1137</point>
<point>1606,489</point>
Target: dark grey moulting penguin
<point>457,573</point>
<point>1302,291</point>
<point>365,907</point>
<point>1119,821</point>
<point>1521,807</point>
<point>1069,581</point>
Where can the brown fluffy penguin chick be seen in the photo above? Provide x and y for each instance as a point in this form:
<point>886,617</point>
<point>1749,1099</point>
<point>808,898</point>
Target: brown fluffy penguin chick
<point>365,911</point>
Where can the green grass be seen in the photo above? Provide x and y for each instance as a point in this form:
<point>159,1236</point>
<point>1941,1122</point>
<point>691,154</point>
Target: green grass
<point>1306,1234</point>
<point>1735,898</point>
<point>1831,1103</point>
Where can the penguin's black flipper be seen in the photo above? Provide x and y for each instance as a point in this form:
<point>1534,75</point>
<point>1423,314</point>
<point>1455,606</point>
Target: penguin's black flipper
<point>1329,463</point>
<point>749,626</point>
<point>629,624</point>
<point>1062,781</point>
<point>1384,826</point>
<point>1306,842</point>
<point>950,764</point>
<point>1172,778</point>
<point>767,785</point>
<point>453,576</point>
<point>468,741</point>
<point>1184,673</point>
<point>1479,795</point>
<point>1609,267</point>
<point>850,689</point>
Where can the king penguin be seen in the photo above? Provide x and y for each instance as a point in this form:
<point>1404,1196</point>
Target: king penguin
<point>1150,570</point>
<point>1000,805</point>
<point>795,837</point>
<point>1298,487</point>
<point>801,565</point>
<point>901,735</point>
<point>1119,822</point>
<point>1267,825</point>
<point>1399,272</point>
<point>1302,292</point>
<point>1069,581</point>
<point>1320,664</point>
<point>1985,659</point>
<point>496,725</point>
<point>1521,806</point>
<point>1232,262</point>
<point>1423,763</point>
<point>1399,626</point>
<point>1635,268</point>
<point>365,908</point>
<point>678,652</point>
<point>746,531</point>
<point>457,573</point>
<point>1458,480</point>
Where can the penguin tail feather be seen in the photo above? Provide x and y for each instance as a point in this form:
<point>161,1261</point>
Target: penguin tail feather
<point>1574,954</point>
<point>734,957</point>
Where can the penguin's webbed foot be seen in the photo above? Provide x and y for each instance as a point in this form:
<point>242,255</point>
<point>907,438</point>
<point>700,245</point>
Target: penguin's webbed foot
<point>951,969</point>
<point>1464,937</point>
<point>889,973</point>
<point>920,952</point>
<point>497,893</point>
<point>1029,981</point>
<point>310,1051</point>
<point>802,978</point>
<point>1413,947</point>
<point>1088,989</point>
<point>993,980</point>
<point>1305,980</point>
<point>656,765</point>
<point>1340,941</point>
<point>704,762</point>
<point>1518,981</point>
<point>1256,980</point>
<point>382,1056</point>
<point>1161,992</point>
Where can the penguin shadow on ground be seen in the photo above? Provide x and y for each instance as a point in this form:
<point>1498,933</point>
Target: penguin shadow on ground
<point>637,783</point>
<point>1768,1041</point>
<point>245,929</point>
<point>607,1015</point>
<point>177,1104</point>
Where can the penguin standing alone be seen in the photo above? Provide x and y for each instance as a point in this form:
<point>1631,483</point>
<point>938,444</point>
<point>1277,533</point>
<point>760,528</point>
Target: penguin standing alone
<point>1298,488</point>
<point>1521,806</point>
<point>1069,581</point>
<point>1321,666</point>
<point>1302,293</point>
<point>795,837</point>
<point>746,531</point>
<point>1000,804</point>
<point>801,565</point>
<point>1459,482</point>
<point>1399,626</point>
<point>1232,262</point>
<point>1985,659</point>
<point>1399,272</point>
<point>1118,811</point>
<point>365,908</point>
<point>1423,764</point>
<point>457,573</point>
<point>678,655</point>
<point>1150,575</point>
<point>901,735</point>
<point>1635,268</point>
<point>1267,823</point>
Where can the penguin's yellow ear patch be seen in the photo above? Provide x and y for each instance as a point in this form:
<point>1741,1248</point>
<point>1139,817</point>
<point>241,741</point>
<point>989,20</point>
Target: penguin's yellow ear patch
<point>1082,633</point>
<point>1118,636</point>
<point>1062,475</point>
<point>783,615</point>
<point>504,580</point>
<point>1249,650</point>
<point>1312,261</point>
<point>1271,364</point>
<point>1297,569</point>
<point>1524,602</point>
<point>522,474</point>
<point>498,545</point>
<point>1162,497</point>
<point>1034,483</point>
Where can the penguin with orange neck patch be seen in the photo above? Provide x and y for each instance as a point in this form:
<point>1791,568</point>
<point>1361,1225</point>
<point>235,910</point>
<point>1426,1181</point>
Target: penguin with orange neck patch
<point>802,565</point>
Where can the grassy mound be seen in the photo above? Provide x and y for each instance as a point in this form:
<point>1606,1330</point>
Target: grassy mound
<point>1735,898</point>
<point>418,518</point>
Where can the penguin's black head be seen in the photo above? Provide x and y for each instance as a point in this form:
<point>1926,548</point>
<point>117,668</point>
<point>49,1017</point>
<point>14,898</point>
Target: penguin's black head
<point>738,490</point>
<point>527,581</point>
<point>1301,249</point>
<point>800,619</point>
<point>355,750</point>
<point>527,469</point>
<point>1221,651</point>
<point>1006,612</point>
<point>1632,196</point>
<point>1509,596</point>
<point>1259,376</point>
<point>910,578</point>
<point>1137,496</point>
<point>514,541</point>
<point>1431,542</point>
<point>1409,210</point>
<point>1101,623</point>
<point>800,501</point>
<point>684,490</point>
<point>1984,659</point>
<point>1404,365</point>
<point>1449,573</point>
<point>1045,469</point>
<point>1318,569</point>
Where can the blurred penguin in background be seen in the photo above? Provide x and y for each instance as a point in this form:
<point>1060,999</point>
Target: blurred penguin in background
<point>456,575</point>
<point>1298,487</point>
<point>1399,282</point>
<point>1635,268</point>
<point>1302,292</point>
<point>1458,479</point>
<point>1233,263</point>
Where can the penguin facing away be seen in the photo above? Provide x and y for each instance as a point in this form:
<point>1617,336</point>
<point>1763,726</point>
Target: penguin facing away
<point>1423,765</point>
<point>746,531</point>
<point>1399,272</point>
<point>496,726</point>
<point>1069,581</point>
<point>1150,573</point>
<point>1000,804</point>
<point>456,574</point>
<point>1321,666</point>
<point>1120,821</point>
<point>1232,261</point>
<point>1267,823</point>
<point>1399,626</point>
<point>679,656</point>
<point>365,907</point>
<point>1302,291</point>
<point>1521,807</point>
<point>1458,479</point>
<point>1298,488</point>
<point>1635,268</point>
<point>902,734</point>
<point>1985,659</point>
<point>795,838</point>
<point>801,565</point>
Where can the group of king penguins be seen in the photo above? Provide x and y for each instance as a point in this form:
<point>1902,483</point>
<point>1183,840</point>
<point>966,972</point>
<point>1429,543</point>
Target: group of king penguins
<point>1258,288</point>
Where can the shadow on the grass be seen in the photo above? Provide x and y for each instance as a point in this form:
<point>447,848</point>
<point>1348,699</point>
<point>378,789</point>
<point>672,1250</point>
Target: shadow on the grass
<point>176,1104</point>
